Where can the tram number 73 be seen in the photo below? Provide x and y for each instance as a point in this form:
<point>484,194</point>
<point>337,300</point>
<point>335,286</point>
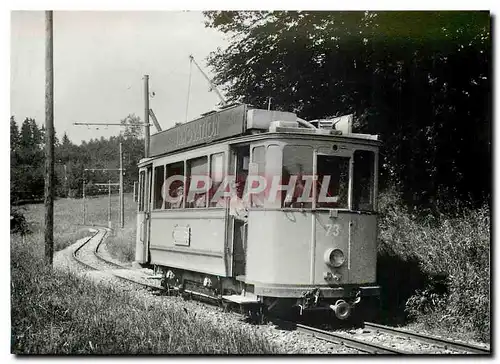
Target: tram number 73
<point>332,229</point>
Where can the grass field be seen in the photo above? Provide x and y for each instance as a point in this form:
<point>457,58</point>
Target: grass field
<point>58,313</point>
<point>68,222</point>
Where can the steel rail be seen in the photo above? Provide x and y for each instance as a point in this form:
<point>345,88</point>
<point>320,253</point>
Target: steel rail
<point>475,349</point>
<point>349,342</point>
<point>363,346</point>
<point>97,269</point>
<point>100,257</point>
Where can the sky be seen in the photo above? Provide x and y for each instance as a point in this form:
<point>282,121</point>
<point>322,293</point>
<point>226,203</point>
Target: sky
<point>100,58</point>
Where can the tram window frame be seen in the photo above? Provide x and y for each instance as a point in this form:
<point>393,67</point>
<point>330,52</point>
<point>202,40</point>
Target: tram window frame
<point>203,167</point>
<point>341,182</point>
<point>142,178</point>
<point>368,185</point>
<point>213,188</point>
<point>175,166</point>
<point>257,200</point>
<point>274,165</point>
<point>159,180</point>
<point>289,200</point>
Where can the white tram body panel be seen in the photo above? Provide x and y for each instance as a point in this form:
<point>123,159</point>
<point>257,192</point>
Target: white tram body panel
<point>285,249</point>
<point>284,259</point>
<point>191,240</point>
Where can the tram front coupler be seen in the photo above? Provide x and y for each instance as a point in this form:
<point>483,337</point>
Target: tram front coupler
<point>343,309</point>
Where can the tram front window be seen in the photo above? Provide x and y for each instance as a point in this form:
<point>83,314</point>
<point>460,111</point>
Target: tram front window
<point>297,163</point>
<point>363,180</point>
<point>332,188</point>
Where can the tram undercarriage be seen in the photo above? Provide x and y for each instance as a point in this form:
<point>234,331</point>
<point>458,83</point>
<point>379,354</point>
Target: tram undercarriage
<point>235,293</point>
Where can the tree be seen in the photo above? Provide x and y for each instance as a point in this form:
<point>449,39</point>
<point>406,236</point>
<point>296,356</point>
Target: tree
<point>26,140</point>
<point>132,131</point>
<point>27,161</point>
<point>14,134</point>
<point>37,134</point>
<point>424,88</point>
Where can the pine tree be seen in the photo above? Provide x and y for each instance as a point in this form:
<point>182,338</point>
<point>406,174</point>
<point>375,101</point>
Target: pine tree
<point>36,133</point>
<point>14,134</point>
<point>26,140</point>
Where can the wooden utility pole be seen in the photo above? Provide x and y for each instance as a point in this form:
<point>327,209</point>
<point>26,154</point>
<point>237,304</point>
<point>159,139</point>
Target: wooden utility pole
<point>146,116</point>
<point>122,212</point>
<point>49,139</point>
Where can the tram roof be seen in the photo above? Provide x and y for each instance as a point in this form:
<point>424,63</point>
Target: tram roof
<point>242,119</point>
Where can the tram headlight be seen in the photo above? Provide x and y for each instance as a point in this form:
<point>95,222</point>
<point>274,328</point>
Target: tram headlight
<point>334,257</point>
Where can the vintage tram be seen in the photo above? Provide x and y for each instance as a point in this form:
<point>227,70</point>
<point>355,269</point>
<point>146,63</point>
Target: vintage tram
<point>302,231</point>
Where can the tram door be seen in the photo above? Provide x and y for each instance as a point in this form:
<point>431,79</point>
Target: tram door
<point>239,164</point>
<point>143,215</point>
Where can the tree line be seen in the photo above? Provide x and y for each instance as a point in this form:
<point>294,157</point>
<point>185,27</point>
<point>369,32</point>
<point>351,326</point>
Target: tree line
<point>421,80</point>
<point>27,161</point>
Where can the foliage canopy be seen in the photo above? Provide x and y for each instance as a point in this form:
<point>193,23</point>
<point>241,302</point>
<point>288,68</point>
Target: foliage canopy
<point>421,80</point>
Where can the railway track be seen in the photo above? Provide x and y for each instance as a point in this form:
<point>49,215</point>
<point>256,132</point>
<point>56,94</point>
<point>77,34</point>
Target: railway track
<point>106,261</point>
<point>364,345</point>
<point>122,269</point>
<point>433,340</point>
<point>350,342</point>
<point>357,343</point>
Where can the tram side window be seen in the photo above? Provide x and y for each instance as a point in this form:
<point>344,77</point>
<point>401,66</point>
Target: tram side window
<point>174,186</point>
<point>196,179</point>
<point>333,181</point>
<point>363,180</point>
<point>142,177</point>
<point>259,158</point>
<point>298,163</point>
<point>216,175</point>
<point>159,180</point>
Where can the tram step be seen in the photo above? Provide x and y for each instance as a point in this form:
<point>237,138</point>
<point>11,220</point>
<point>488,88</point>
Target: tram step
<point>158,276</point>
<point>236,298</point>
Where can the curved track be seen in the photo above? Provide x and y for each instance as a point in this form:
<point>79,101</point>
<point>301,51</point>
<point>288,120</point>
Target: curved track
<point>98,256</point>
<point>119,266</point>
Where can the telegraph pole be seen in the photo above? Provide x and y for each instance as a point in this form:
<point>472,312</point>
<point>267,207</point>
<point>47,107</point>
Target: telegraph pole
<point>146,116</point>
<point>49,139</point>
<point>122,212</point>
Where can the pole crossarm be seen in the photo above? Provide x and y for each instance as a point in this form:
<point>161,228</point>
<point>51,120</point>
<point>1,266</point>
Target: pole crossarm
<point>112,124</point>
<point>106,184</point>
<point>102,169</point>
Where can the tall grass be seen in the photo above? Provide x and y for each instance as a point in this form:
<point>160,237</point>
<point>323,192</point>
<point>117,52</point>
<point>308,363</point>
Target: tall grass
<point>54,312</point>
<point>69,227</point>
<point>121,244</point>
<point>452,252</point>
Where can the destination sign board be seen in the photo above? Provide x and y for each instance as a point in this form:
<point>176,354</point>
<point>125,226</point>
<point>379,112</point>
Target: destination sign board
<point>209,128</point>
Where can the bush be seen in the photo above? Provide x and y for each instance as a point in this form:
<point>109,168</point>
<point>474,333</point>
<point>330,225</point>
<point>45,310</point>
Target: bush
<point>452,252</point>
<point>18,223</point>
